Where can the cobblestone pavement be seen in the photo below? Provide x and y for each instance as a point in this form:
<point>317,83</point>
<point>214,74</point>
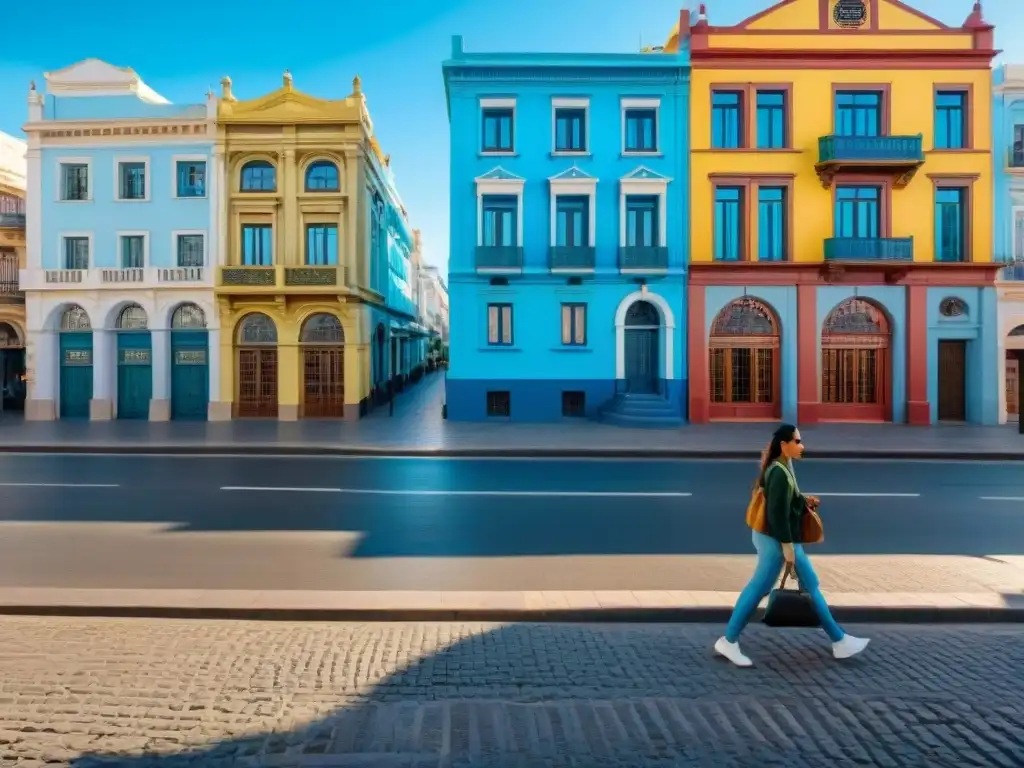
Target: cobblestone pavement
<point>163,694</point>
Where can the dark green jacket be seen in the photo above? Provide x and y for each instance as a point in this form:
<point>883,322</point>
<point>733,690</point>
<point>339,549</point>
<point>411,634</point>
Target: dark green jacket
<point>784,505</point>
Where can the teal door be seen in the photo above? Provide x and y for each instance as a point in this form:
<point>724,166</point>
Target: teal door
<point>75,374</point>
<point>134,374</point>
<point>190,375</point>
<point>642,360</point>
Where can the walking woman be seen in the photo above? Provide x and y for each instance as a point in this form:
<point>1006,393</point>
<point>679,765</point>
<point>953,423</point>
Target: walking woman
<point>784,508</point>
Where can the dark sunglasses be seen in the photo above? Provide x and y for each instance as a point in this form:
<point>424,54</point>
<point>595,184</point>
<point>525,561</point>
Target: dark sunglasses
<point>797,440</point>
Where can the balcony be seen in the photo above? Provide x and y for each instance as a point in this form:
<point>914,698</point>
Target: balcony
<point>179,274</point>
<point>1015,159</point>
<point>295,278</point>
<point>9,287</point>
<point>248,277</point>
<point>643,258</point>
<point>313,276</point>
<point>127,275</point>
<point>1013,272</point>
<point>571,259</point>
<point>869,249</point>
<point>499,259</point>
<point>12,220</point>
<point>900,156</point>
<point>64,276</point>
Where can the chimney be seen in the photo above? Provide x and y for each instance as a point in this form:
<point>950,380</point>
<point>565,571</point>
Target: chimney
<point>35,103</point>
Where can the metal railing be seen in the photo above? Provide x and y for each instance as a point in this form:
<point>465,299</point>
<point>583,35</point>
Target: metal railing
<point>870,148</point>
<point>869,249</point>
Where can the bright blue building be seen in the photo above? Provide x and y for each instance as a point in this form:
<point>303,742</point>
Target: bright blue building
<point>569,235</point>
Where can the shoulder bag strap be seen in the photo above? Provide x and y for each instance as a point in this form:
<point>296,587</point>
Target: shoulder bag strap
<point>789,475</point>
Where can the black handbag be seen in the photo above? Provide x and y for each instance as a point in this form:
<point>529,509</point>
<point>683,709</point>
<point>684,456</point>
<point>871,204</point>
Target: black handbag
<point>790,607</point>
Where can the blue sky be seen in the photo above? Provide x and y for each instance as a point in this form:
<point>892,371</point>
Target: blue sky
<point>396,47</point>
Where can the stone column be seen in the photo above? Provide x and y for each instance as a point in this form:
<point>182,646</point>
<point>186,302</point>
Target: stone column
<point>104,364</point>
<point>919,410</point>
<point>160,404</point>
<point>42,367</point>
<point>808,357</point>
<point>220,404</point>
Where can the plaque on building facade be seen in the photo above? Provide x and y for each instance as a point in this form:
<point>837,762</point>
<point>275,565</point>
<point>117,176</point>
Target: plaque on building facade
<point>850,14</point>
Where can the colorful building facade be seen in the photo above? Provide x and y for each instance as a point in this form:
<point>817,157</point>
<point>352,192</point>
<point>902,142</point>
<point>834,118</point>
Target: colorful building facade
<point>841,178</point>
<point>119,214</point>
<point>313,291</point>
<point>568,235</point>
<point>1008,160</point>
<point>13,168</point>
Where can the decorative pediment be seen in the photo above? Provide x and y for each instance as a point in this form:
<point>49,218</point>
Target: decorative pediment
<point>500,174</point>
<point>643,173</point>
<point>797,15</point>
<point>96,77</point>
<point>574,173</point>
<point>287,105</point>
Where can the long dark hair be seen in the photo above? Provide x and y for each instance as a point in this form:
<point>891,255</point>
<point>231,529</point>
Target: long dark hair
<point>784,434</point>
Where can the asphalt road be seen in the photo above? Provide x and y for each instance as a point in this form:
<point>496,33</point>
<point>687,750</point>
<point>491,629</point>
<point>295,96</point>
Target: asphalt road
<point>305,523</point>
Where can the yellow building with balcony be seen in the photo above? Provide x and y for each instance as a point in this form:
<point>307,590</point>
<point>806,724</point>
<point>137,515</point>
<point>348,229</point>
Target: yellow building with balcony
<point>12,259</point>
<point>841,222</point>
<point>294,286</point>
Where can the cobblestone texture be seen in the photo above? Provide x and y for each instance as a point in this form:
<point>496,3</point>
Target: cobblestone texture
<point>164,694</point>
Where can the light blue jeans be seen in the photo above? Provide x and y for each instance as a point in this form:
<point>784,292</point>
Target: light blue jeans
<point>770,563</point>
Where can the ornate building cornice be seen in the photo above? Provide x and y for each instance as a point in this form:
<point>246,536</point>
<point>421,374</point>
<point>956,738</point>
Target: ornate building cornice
<point>603,75</point>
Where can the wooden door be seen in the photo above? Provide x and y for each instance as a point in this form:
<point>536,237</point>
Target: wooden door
<point>323,382</point>
<point>257,382</point>
<point>642,360</point>
<point>952,381</point>
<point>1012,386</point>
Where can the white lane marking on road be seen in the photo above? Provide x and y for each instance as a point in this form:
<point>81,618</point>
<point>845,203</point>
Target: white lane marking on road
<point>59,485</point>
<point>1001,498</point>
<point>870,495</point>
<point>408,492</point>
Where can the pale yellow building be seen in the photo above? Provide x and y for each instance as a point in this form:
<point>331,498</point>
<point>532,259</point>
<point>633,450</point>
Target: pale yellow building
<point>12,259</point>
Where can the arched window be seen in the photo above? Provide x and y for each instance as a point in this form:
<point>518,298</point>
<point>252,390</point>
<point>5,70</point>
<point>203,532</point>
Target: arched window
<point>259,176</point>
<point>951,306</point>
<point>188,316</point>
<point>322,329</point>
<point>75,318</point>
<point>8,336</point>
<point>744,359</point>
<point>854,359</point>
<point>132,318</point>
<point>322,176</point>
<point>643,313</point>
<point>257,328</point>
<point>1018,331</point>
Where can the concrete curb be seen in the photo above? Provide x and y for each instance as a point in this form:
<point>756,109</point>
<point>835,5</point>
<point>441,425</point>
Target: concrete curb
<point>341,451</point>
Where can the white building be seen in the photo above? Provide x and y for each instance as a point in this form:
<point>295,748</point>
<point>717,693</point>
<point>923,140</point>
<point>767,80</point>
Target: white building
<point>118,280</point>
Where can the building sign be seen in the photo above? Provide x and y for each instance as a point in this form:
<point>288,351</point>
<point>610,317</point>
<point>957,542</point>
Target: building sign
<point>135,356</point>
<point>77,357</point>
<point>850,14</point>
<point>190,357</point>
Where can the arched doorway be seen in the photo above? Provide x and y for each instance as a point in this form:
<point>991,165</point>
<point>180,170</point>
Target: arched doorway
<point>855,347</point>
<point>190,368</point>
<point>75,363</point>
<point>134,363</point>
<point>1014,359</point>
<point>643,325</point>
<point>744,361</point>
<point>257,367</point>
<point>323,367</point>
<point>12,369</point>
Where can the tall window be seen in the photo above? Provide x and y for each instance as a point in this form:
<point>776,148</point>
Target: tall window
<point>772,227</point>
<point>950,224</point>
<point>74,181</point>
<point>728,223</point>
<point>190,250</point>
<point>1017,152</point>
<point>641,129</point>
<point>574,325</point>
<point>858,113</point>
<point>191,175</point>
<point>570,129</point>
<point>131,181</point>
<point>133,253</point>
<point>76,253</point>
<point>950,120</point>
<point>322,176</point>
<point>257,245</point>
<point>771,120</point>
<point>858,212</point>
<point>259,176</point>
<point>499,325</point>
<point>572,219</point>
<point>642,225</point>
<point>498,130</point>
<point>743,356</point>
<point>500,220</point>
<point>727,120</point>
<point>322,245</point>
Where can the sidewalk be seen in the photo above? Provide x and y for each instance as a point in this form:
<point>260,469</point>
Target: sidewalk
<point>417,429</point>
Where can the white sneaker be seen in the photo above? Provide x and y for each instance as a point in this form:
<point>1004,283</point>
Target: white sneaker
<point>849,646</point>
<point>732,652</point>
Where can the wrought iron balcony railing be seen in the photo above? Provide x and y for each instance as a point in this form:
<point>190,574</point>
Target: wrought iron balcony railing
<point>869,249</point>
<point>867,149</point>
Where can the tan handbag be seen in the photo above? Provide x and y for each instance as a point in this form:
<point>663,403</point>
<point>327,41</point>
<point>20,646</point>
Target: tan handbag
<point>757,517</point>
<point>812,530</point>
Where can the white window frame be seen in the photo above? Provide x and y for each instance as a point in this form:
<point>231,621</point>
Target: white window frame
<point>627,104</point>
<point>61,162</point>
<point>145,246</point>
<point>62,236</point>
<point>570,187</point>
<point>499,187</point>
<point>118,160</point>
<point>504,103</point>
<point>581,103</point>
<point>175,159</point>
<point>174,245</point>
<point>656,185</point>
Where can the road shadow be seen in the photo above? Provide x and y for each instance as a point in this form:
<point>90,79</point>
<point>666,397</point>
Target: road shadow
<point>586,695</point>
